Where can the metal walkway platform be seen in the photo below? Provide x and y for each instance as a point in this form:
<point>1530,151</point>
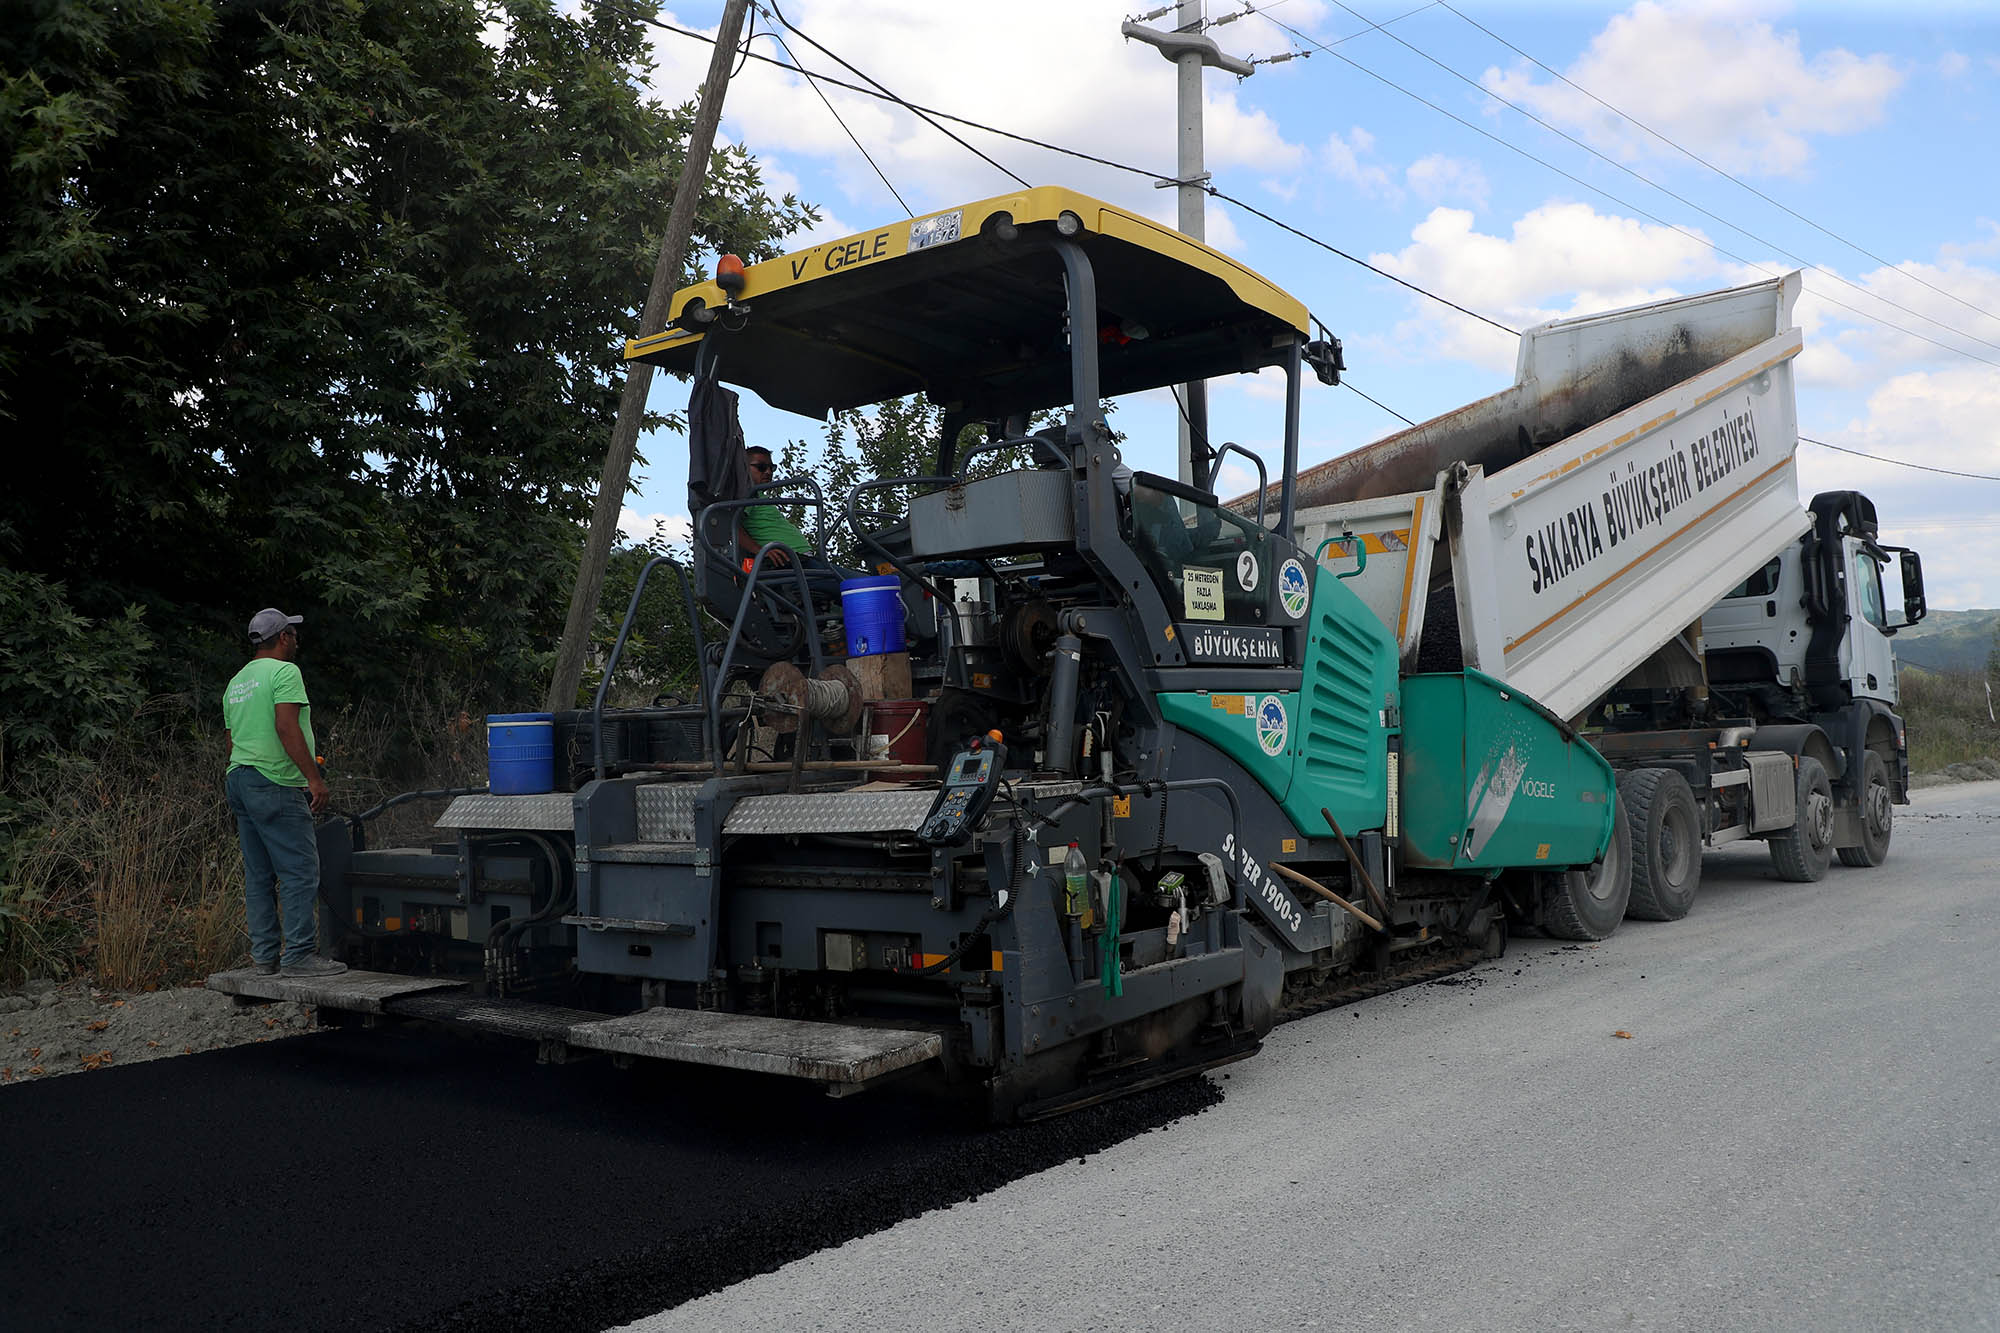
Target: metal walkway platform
<point>823,1052</point>
<point>843,1056</point>
<point>362,992</point>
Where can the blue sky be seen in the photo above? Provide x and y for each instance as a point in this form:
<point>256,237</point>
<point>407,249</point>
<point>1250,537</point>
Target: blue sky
<point>1874,125</point>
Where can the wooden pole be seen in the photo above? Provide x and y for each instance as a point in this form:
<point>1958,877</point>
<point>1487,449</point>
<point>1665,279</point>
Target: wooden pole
<point>638,374</point>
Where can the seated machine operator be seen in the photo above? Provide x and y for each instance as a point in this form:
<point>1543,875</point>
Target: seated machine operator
<point>767,523</point>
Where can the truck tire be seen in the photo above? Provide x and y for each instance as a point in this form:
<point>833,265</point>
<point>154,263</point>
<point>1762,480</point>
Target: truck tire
<point>1589,904</point>
<point>1803,852</point>
<point>1876,815</point>
<point>1666,843</point>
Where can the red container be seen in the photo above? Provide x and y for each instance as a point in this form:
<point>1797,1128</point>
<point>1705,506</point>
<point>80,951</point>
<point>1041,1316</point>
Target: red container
<point>904,721</point>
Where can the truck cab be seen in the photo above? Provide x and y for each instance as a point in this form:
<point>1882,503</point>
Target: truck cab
<point>1812,628</point>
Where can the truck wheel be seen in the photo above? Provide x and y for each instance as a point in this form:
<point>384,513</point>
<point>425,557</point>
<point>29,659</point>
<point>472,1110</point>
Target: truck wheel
<point>1666,843</point>
<point>1876,815</point>
<point>1589,904</point>
<point>1804,851</point>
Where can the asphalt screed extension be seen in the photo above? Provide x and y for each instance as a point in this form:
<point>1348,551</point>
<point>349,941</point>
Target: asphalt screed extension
<point>399,1179</point>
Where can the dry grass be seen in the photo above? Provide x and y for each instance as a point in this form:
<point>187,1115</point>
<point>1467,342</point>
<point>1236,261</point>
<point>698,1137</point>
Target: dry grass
<point>1946,712</point>
<point>126,865</point>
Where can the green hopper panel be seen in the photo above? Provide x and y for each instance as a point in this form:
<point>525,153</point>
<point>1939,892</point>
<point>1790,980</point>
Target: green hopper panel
<point>1493,780</point>
<point>1325,746</point>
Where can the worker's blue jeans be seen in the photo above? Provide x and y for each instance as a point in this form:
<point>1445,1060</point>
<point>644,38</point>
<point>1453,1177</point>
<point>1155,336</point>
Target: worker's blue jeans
<point>280,865</point>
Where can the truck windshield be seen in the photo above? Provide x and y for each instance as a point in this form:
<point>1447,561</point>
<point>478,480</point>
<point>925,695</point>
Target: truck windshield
<point>1199,553</point>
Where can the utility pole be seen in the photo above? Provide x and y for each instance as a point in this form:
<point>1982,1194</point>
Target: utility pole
<point>1191,53</point>
<point>639,375</point>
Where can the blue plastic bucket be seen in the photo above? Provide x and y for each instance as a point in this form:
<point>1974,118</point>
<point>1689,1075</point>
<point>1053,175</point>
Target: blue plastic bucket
<point>873,610</point>
<point>520,753</point>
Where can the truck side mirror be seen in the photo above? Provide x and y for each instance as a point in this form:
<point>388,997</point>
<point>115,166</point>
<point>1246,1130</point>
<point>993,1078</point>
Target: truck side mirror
<point>1911,566</point>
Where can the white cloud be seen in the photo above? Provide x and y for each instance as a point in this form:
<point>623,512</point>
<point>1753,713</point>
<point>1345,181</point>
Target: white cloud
<point>1948,418</point>
<point>1910,313</point>
<point>1561,259</point>
<point>498,29</point>
<point>1437,179</point>
<point>1952,64</point>
<point>1988,245</point>
<point>641,529</point>
<point>1081,82</point>
<point>1940,419</point>
<point>1342,157</point>
<point>1728,86</point>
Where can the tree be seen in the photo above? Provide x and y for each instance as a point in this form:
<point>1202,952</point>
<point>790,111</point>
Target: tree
<point>322,305</point>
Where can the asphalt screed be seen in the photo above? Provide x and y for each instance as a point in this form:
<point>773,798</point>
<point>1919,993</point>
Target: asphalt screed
<point>404,1180</point>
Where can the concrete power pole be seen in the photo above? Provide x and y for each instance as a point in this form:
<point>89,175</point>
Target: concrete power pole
<point>639,375</point>
<point>1191,53</point>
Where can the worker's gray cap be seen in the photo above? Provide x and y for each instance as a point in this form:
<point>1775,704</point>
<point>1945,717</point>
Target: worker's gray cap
<point>269,623</point>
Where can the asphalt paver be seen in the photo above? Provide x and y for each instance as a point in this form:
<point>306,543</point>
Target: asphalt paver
<point>403,1179</point>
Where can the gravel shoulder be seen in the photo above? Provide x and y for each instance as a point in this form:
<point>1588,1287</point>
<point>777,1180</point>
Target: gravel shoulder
<point>48,1030</point>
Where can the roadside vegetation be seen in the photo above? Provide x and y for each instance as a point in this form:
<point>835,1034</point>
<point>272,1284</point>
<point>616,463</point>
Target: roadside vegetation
<point>1949,724</point>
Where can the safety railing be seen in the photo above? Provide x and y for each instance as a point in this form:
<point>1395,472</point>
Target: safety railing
<point>711,716</point>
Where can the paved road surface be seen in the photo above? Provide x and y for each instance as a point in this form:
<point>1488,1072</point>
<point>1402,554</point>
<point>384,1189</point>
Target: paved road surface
<point>1802,1132</point>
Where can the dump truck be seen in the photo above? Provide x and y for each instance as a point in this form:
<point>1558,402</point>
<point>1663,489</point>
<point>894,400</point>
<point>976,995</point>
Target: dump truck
<point>1618,534</point>
<point>1141,771</point>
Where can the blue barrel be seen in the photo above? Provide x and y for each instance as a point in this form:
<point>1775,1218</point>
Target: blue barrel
<point>520,753</point>
<point>873,610</point>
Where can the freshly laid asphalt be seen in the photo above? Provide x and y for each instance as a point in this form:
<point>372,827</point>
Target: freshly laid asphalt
<point>391,1179</point>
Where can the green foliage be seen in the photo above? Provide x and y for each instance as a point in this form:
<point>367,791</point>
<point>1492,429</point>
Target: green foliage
<point>659,655</point>
<point>64,680</point>
<point>1947,717</point>
<point>898,438</point>
<point>1950,640</point>
<point>321,305</point>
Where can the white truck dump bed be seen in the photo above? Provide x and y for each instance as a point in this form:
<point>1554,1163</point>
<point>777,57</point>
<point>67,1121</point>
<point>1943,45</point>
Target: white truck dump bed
<point>1561,534</point>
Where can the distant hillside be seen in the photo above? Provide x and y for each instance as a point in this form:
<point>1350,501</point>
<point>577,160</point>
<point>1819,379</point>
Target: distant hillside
<point>1949,640</point>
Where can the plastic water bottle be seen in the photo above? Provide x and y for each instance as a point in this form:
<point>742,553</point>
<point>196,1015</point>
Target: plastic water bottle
<point>1076,883</point>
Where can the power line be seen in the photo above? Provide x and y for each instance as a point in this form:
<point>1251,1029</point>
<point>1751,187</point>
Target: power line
<point>883,175</point>
<point>806,37</point>
<point>1334,249</point>
<point>1898,462</point>
<point>1690,153</point>
<point>1622,203</point>
<point>1677,198</point>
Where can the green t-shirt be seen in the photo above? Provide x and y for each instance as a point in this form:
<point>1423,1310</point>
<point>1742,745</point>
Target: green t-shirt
<point>250,711</point>
<point>767,523</point>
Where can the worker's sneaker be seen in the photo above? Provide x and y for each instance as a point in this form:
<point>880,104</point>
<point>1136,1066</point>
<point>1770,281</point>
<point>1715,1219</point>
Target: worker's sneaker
<point>312,967</point>
<point>269,969</point>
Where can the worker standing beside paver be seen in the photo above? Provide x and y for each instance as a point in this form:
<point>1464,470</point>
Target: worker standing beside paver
<point>274,791</point>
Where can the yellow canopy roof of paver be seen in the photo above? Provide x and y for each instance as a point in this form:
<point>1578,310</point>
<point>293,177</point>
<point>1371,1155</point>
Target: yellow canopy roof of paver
<point>946,305</point>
